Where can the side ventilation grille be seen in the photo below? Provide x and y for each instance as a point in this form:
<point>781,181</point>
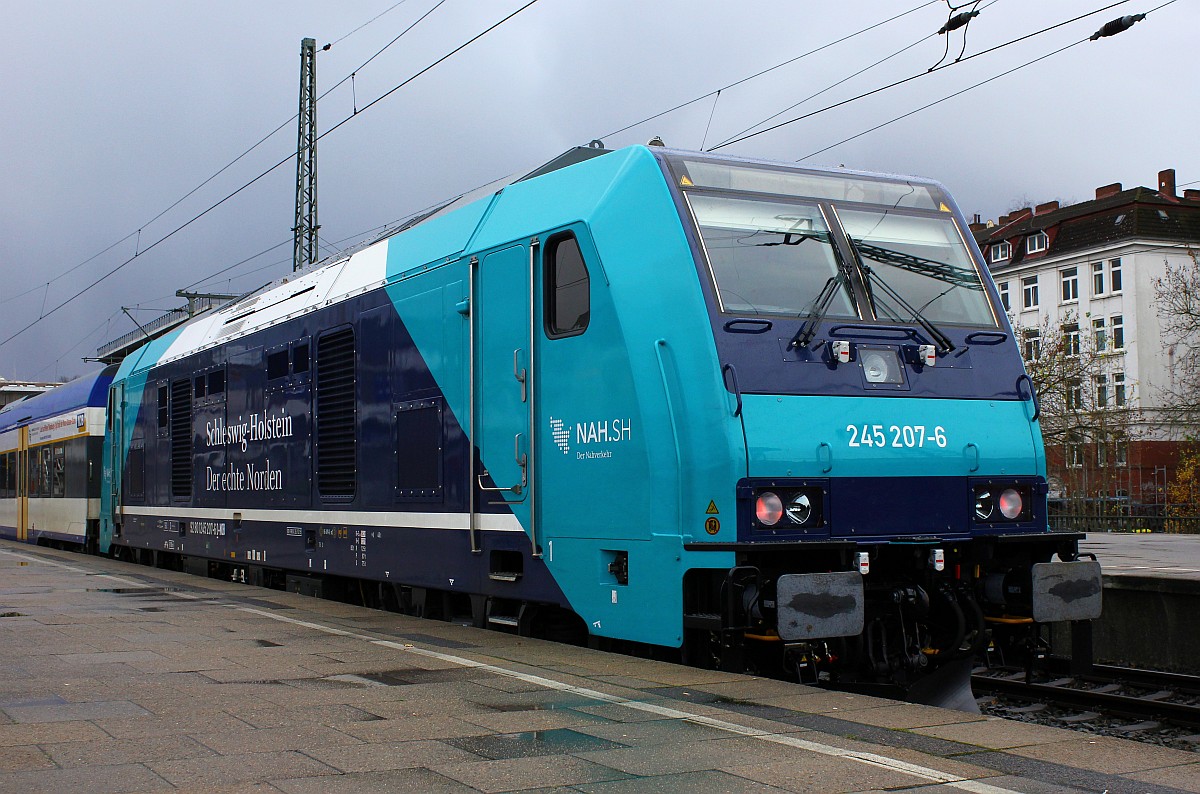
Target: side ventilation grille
<point>181,439</point>
<point>335,414</point>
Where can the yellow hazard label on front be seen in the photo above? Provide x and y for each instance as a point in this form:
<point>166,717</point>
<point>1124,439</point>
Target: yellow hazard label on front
<point>942,206</point>
<point>686,182</point>
<point>712,526</point>
<point>712,509</point>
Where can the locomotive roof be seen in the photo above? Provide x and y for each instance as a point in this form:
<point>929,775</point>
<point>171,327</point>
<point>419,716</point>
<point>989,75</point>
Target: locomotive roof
<point>89,391</point>
<point>433,236</point>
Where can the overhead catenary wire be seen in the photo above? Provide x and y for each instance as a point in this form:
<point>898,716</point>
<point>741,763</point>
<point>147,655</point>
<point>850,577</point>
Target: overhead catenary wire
<point>269,170</point>
<point>959,92</point>
<point>917,76</point>
<point>842,81</point>
<point>943,99</point>
<point>767,70</point>
<point>345,36</point>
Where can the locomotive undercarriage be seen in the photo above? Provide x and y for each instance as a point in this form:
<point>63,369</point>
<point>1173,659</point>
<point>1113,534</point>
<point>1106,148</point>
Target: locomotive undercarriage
<point>909,623</point>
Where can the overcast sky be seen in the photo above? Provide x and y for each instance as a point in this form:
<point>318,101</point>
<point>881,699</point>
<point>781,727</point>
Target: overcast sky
<point>112,111</point>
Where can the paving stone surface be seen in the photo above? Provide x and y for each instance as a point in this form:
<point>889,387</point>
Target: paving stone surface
<point>124,678</point>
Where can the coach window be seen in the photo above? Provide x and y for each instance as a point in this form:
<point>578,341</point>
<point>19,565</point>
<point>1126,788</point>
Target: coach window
<point>58,481</point>
<point>566,287</point>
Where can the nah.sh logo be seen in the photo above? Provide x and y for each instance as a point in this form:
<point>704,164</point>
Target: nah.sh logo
<point>561,435</point>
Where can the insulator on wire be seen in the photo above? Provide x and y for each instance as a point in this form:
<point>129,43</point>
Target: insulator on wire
<point>1119,25</point>
<point>957,21</point>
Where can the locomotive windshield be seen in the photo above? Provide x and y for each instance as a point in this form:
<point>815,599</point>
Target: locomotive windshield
<point>774,253</point>
<point>768,257</point>
<point>923,260</point>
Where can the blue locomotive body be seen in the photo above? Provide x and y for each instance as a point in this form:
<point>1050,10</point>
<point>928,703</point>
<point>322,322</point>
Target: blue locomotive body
<point>742,409</point>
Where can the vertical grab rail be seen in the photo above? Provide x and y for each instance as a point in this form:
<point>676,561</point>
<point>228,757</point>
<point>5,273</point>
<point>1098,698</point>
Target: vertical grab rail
<point>737,390</point>
<point>1037,409</point>
<point>472,269</point>
<point>532,493</point>
<point>659,346</point>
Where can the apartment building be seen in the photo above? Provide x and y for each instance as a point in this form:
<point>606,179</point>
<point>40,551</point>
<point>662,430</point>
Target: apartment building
<point>1081,279</point>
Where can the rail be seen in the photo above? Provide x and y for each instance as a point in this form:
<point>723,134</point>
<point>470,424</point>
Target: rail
<point>1103,693</point>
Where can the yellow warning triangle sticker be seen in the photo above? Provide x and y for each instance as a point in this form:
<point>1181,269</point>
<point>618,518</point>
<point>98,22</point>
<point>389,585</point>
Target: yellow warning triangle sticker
<point>712,509</point>
<point>943,207</point>
<point>686,182</point>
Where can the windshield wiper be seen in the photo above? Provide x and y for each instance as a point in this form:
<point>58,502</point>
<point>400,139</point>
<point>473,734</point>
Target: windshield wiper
<point>931,268</point>
<point>939,338</point>
<point>808,328</point>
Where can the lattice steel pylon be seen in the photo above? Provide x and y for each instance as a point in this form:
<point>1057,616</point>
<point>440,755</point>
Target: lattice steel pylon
<point>304,250</point>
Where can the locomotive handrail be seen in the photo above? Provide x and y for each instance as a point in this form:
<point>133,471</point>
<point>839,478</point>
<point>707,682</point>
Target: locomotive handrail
<point>737,389</point>
<point>1037,409</point>
<point>982,337</point>
<point>746,325</point>
<point>910,333</point>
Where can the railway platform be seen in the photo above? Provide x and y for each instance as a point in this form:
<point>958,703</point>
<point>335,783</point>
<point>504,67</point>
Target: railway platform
<point>1151,599</point>
<point>118,677</point>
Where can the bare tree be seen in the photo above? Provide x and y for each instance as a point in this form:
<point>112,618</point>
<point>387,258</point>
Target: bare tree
<point>1177,296</point>
<point>1087,417</point>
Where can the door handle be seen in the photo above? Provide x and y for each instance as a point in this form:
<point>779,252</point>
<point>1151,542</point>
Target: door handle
<point>520,374</point>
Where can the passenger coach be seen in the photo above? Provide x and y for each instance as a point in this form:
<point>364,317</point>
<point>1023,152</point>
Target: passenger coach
<point>50,456</point>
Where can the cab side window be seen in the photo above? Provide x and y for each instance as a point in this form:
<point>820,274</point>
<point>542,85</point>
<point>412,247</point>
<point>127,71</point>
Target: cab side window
<point>567,288</point>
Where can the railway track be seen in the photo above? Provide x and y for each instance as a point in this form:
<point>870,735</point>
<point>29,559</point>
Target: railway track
<point>1146,705</point>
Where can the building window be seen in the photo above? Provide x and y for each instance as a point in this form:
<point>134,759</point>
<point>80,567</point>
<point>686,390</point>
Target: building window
<point>1100,335</point>
<point>1071,339</point>
<point>1101,382</point>
<point>1075,455</point>
<point>1097,278</point>
<point>1074,395</point>
<point>1116,331</point>
<point>1004,301</point>
<point>1029,292</point>
<point>1070,284</point>
<point>1001,251</point>
<point>1114,268</point>
<point>568,299</point>
<point>1101,453</point>
<point>1121,453</point>
<point>1036,242</point>
<point>1033,343</point>
<point>1119,396</point>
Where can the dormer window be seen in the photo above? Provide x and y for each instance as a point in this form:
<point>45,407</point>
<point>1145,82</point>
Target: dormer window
<point>1036,242</point>
<point>1001,251</point>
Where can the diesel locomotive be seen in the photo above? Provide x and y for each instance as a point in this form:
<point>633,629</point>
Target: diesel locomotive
<point>755,416</point>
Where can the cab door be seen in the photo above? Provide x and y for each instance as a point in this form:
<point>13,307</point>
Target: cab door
<point>503,386</point>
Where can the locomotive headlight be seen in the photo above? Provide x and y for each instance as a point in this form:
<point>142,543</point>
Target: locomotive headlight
<point>881,365</point>
<point>1011,503</point>
<point>984,504</point>
<point>768,509</point>
<point>800,509</point>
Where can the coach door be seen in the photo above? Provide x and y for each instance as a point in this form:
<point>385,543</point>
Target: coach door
<point>502,369</point>
<point>116,443</point>
<point>23,484</point>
